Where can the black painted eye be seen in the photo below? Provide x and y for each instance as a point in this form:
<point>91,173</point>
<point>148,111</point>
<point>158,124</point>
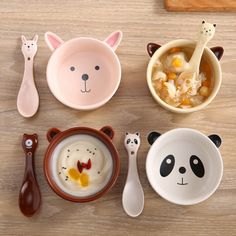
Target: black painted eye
<point>97,67</point>
<point>197,166</point>
<point>135,141</point>
<point>167,165</point>
<point>128,141</point>
<point>72,68</point>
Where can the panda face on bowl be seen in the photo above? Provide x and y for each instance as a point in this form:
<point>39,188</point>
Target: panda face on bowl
<point>83,73</point>
<point>184,166</point>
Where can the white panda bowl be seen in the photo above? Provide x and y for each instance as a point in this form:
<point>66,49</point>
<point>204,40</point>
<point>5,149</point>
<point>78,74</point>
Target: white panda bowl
<point>184,166</point>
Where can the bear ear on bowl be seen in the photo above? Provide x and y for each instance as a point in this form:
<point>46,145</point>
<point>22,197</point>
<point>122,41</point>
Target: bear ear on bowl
<point>108,130</point>
<point>52,40</point>
<point>215,139</point>
<point>218,51</point>
<point>52,133</point>
<point>152,47</point>
<point>114,39</point>
<point>152,137</point>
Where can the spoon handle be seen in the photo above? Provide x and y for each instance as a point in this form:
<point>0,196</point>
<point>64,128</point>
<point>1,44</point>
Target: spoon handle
<point>28,97</point>
<point>133,196</point>
<point>29,197</point>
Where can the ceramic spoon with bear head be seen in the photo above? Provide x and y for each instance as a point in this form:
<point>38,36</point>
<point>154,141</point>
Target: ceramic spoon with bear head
<point>133,196</point>
<point>28,98</point>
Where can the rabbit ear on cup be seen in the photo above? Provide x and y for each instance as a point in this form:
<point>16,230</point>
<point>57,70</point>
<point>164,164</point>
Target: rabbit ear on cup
<point>114,39</point>
<point>53,41</point>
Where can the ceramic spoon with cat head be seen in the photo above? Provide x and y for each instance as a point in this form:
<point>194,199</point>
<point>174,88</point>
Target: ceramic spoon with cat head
<point>205,34</point>
<point>28,98</point>
<point>133,196</point>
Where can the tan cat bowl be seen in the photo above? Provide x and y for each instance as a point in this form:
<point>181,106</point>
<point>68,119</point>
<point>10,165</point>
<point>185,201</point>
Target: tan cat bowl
<point>211,56</point>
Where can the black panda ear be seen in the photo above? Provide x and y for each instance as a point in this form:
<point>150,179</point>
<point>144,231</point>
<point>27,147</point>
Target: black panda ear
<point>137,133</point>
<point>126,133</point>
<point>218,51</point>
<point>152,137</point>
<point>152,47</point>
<point>215,139</point>
<point>203,22</point>
<point>214,25</point>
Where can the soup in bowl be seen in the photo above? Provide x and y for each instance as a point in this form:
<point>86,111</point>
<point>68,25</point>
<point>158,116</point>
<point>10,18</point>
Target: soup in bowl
<point>81,164</point>
<point>173,92</point>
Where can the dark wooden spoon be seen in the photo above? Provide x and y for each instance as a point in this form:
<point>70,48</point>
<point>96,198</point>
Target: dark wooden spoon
<point>29,197</point>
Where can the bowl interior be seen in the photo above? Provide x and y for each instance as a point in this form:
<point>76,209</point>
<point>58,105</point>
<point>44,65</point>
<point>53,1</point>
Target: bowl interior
<point>64,155</point>
<point>208,56</point>
<point>184,166</point>
<point>83,73</point>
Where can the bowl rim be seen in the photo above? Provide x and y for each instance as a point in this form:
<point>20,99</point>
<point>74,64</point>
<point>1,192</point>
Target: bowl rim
<point>102,44</point>
<point>178,43</point>
<point>201,135</point>
<point>75,131</point>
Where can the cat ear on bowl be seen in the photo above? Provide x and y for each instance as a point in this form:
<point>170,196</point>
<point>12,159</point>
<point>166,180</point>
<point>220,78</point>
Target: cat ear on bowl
<point>215,139</point>
<point>218,51</point>
<point>151,48</point>
<point>52,40</point>
<point>152,137</point>
<point>114,39</point>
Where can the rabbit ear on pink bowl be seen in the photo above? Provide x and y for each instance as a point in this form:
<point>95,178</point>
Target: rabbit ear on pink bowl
<point>53,41</point>
<point>114,39</point>
<point>83,73</point>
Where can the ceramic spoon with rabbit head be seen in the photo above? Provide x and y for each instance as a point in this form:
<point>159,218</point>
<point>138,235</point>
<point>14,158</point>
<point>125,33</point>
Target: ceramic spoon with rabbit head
<point>133,196</point>
<point>28,98</point>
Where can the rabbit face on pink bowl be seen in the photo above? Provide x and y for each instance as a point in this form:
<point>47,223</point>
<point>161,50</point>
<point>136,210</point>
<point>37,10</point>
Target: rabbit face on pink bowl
<point>83,73</point>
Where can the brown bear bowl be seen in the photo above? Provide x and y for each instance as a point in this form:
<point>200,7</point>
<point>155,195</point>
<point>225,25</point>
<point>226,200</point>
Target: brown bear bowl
<point>105,135</point>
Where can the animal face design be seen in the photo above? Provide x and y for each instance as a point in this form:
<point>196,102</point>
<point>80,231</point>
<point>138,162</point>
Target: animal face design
<point>195,164</point>
<point>30,142</point>
<point>88,69</point>
<point>181,166</point>
<point>83,164</point>
<point>132,142</point>
<point>207,31</point>
<point>29,47</point>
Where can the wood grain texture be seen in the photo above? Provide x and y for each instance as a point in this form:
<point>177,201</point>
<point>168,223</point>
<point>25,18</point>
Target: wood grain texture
<point>131,109</point>
<point>201,5</point>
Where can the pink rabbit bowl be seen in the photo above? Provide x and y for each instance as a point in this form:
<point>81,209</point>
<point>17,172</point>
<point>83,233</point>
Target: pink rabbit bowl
<point>83,73</point>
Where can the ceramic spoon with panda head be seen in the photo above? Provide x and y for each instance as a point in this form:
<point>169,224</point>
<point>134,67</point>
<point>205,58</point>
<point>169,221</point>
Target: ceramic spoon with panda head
<point>133,196</point>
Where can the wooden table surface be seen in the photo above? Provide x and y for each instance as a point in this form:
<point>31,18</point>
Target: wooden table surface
<point>131,109</point>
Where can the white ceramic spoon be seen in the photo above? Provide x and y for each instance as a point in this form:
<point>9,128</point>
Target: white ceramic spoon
<point>28,98</point>
<point>133,197</point>
<point>206,33</point>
